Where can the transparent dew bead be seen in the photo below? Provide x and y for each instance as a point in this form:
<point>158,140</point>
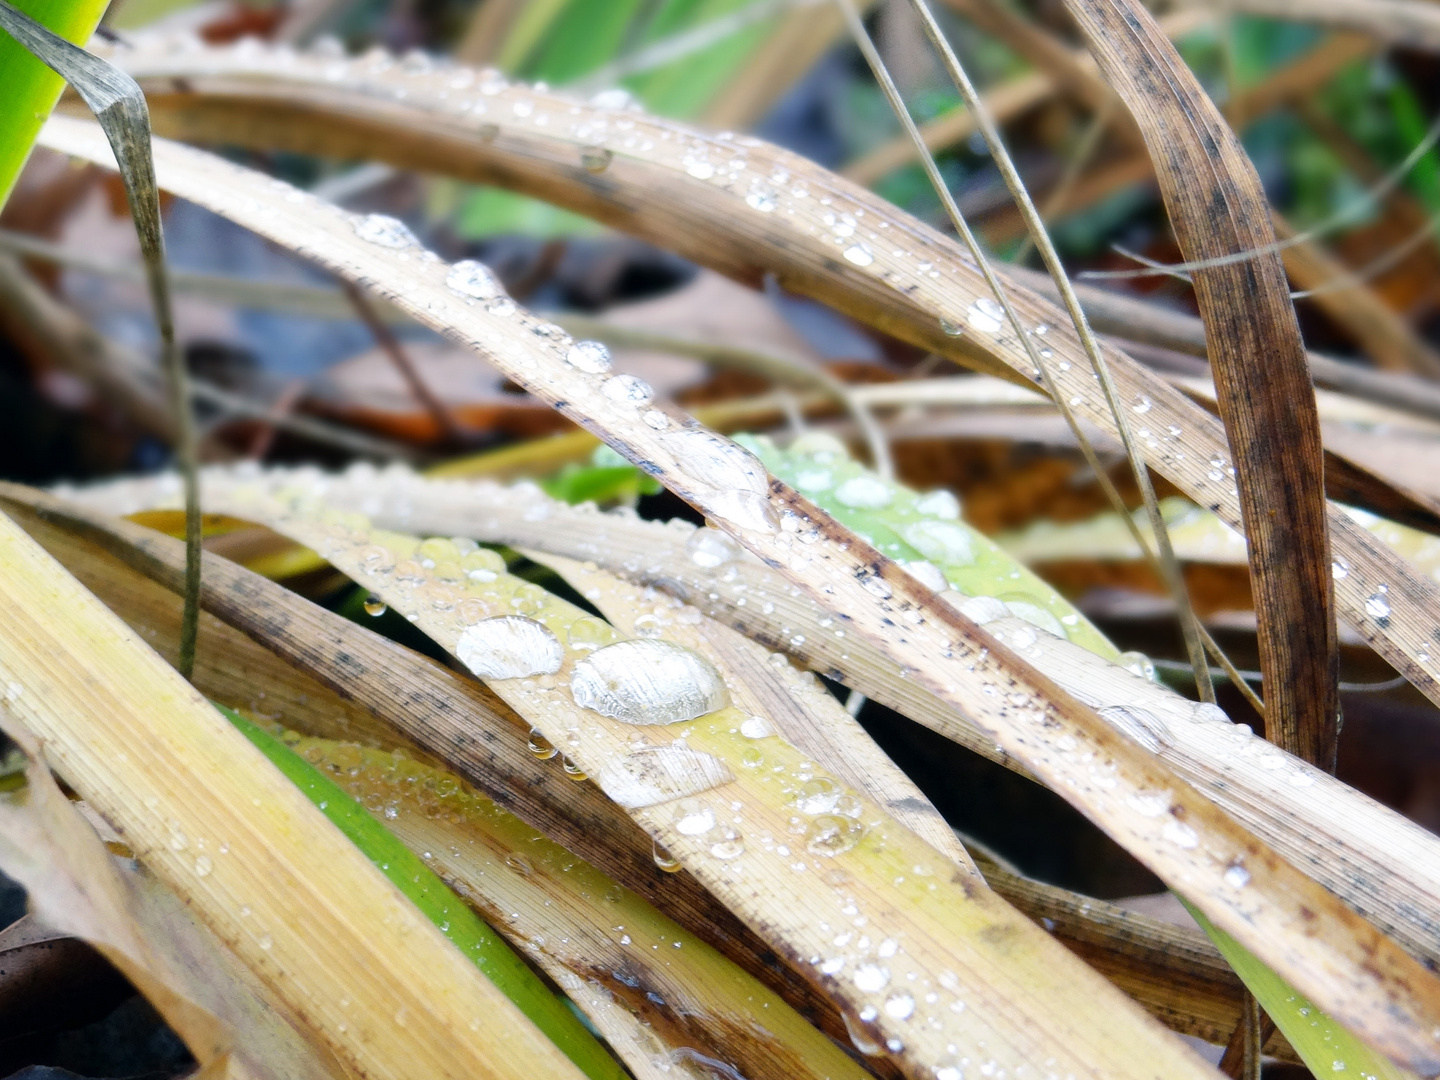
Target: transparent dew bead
<point>864,493</point>
<point>985,315</point>
<point>589,356</point>
<point>509,647</point>
<point>710,548</point>
<point>647,681</point>
<point>831,835</point>
<point>613,98</point>
<point>663,859</point>
<point>938,504</point>
<point>627,390</point>
<point>475,280</point>
<point>595,159</point>
<point>859,254</point>
<point>862,1035</point>
<point>573,771</point>
<point>385,231</point>
<point>731,845</point>
<point>1137,662</point>
<point>374,606</point>
<point>588,633</point>
<point>951,328</point>
<point>540,746</point>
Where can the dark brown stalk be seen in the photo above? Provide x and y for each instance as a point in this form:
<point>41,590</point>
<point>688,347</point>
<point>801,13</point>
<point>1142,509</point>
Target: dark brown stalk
<point>1217,207</point>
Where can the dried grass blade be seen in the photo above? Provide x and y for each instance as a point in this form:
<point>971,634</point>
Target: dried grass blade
<point>1381,864</point>
<point>662,183</point>
<point>273,880</point>
<point>74,885</point>
<point>1258,361</point>
<point>1350,969</point>
<point>387,693</point>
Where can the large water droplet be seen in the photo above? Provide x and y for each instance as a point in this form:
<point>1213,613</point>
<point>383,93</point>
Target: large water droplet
<point>572,770</point>
<point>900,1007</point>
<point>588,633</point>
<point>947,543</point>
<point>1377,604</point>
<point>732,484</point>
<point>1036,616</point>
<point>731,845</point>
<point>646,681</point>
<point>386,231</point>
<point>374,606</point>
<point>1340,569</point>
<point>711,548</point>
<point>694,821</point>
<point>831,835</point>
<point>589,356</point>
<point>985,315</point>
<point>627,390</point>
<point>859,254</point>
<point>928,574</point>
<point>596,159</point>
<point>818,796</point>
<point>864,493</point>
<point>509,647</point>
<point>938,504</point>
<point>474,279</point>
<point>657,774</point>
<point>871,977</point>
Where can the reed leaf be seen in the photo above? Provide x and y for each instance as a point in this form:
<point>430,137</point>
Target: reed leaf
<point>331,938</point>
<point>663,182</point>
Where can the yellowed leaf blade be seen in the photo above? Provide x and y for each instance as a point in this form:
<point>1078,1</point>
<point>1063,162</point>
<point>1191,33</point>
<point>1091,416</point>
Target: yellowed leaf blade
<point>260,865</point>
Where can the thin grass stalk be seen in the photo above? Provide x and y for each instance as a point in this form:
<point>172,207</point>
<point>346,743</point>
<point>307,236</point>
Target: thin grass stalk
<point>1164,557</point>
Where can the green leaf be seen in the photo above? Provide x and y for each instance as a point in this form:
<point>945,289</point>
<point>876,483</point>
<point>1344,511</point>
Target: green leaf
<point>28,88</point>
<point>408,872</point>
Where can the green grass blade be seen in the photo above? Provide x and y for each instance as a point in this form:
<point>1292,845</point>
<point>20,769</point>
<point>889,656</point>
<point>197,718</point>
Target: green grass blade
<point>408,872</point>
<point>28,88</point>
<point>1326,1048</point>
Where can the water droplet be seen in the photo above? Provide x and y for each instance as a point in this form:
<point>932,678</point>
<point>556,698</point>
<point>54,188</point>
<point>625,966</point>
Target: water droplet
<point>655,774</point>
<point>831,835</point>
<point>573,771</point>
<point>663,859</point>
<point>756,727</point>
<point>1339,569</point>
<point>731,845</point>
<point>762,198</point>
<point>589,356</point>
<point>656,419</point>
<point>859,254</point>
<point>696,821</point>
<point>877,586</point>
<point>951,328</point>
<point>928,574</point>
<point>509,647</point>
<point>386,231</point>
<point>1036,616</point>
<point>1377,604</point>
<point>203,866</point>
<point>374,606</point>
<point>1180,834</point>
<point>613,98</point>
<point>1237,877</point>
<point>871,977</point>
<point>540,746</point>
<point>474,279</point>
<point>588,633</point>
<point>900,1007</point>
<point>265,942</point>
<point>1142,404</point>
<point>596,159</point>
<point>986,316</point>
<point>529,599</point>
<point>627,390</point>
<point>1137,662</point>
<point>711,548</point>
<point>818,796</point>
<point>699,168</point>
<point>647,682</point>
<point>947,543</point>
<point>861,1036</point>
<point>938,504</point>
<point>864,493</point>
<point>732,483</point>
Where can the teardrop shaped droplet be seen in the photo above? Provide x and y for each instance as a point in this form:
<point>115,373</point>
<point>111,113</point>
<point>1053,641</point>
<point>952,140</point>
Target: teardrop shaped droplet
<point>540,746</point>
<point>595,159</point>
<point>374,606</point>
<point>573,771</point>
<point>663,859</point>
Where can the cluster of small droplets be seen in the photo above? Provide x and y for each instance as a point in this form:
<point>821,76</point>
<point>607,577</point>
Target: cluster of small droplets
<point>925,535</point>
